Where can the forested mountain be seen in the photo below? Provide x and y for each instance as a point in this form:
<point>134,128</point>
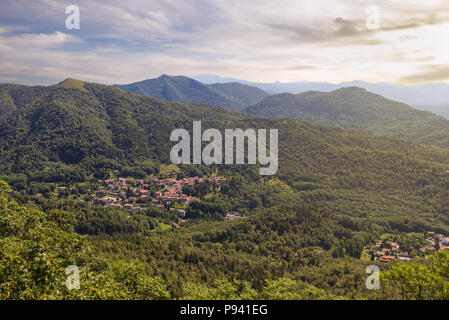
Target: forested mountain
<point>336,192</point>
<point>357,109</point>
<point>89,124</point>
<point>182,89</point>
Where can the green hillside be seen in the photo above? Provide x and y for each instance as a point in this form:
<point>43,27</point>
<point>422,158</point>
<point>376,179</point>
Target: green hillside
<point>357,109</point>
<point>182,89</point>
<point>49,128</point>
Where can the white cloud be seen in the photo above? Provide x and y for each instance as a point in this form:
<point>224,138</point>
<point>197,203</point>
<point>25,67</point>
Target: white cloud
<point>40,40</point>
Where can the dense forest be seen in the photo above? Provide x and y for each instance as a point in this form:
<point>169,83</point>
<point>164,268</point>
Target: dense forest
<point>304,232</point>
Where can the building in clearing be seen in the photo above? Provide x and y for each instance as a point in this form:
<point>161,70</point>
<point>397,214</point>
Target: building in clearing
<point>231,215</point>
<point>181,213</point>
<point>107,199</point>
<point>387,258</point>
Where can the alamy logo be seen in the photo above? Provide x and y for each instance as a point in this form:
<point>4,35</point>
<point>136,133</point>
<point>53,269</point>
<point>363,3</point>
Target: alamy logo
<point>212,153</point>
<point>372,21</point>
<point>73,280</point>
<point>373,280</point>
<point>73,20</point>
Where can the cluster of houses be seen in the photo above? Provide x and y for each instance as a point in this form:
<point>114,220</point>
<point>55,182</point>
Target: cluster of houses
<point>435,242</point>
<point>123,193</point>
<point>386,251</point>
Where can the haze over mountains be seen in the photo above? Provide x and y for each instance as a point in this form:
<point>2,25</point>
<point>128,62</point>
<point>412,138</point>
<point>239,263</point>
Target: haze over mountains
<point>432,97</point>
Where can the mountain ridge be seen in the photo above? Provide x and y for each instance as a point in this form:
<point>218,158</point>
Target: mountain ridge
<point>187,90</point>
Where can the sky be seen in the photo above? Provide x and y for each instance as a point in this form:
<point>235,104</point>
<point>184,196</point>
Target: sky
<point>260,41</point>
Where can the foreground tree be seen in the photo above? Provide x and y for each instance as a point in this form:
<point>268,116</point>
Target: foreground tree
<point>428,280</point>
<point>36,248</point>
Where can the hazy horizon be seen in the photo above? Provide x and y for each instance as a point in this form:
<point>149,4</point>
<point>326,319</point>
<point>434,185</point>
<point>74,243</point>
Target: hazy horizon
<point>228,79</point>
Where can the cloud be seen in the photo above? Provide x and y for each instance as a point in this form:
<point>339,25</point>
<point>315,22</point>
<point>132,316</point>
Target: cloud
<point>40,40</point>
<point>433,73</point>
<point>426,19</point>
<point>301,67</point>
<point>337,32</point>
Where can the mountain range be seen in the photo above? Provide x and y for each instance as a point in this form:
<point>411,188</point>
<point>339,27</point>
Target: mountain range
<point>352,108</point>
<point>432,97</point>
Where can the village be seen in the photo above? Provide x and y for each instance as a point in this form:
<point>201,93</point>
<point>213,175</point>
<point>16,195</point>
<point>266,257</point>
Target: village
<point>386,251</point>
<point>135,195</point>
